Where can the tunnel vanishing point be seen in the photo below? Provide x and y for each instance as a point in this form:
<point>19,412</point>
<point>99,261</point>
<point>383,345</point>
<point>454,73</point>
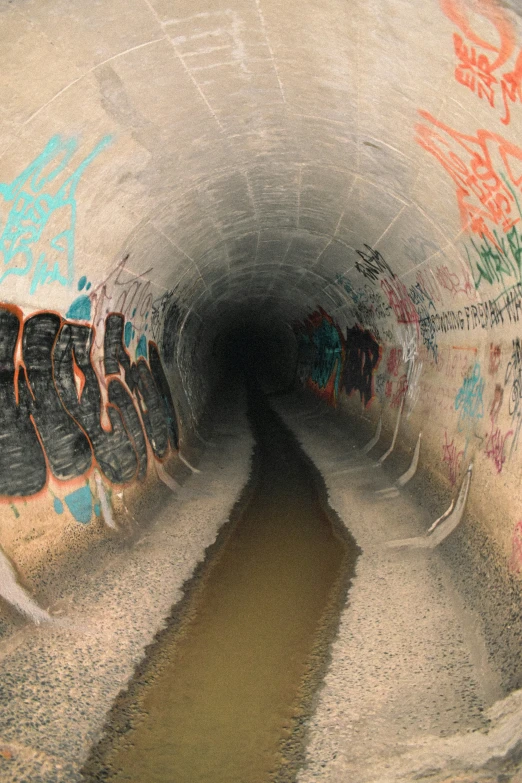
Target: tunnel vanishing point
<point>330,191</point>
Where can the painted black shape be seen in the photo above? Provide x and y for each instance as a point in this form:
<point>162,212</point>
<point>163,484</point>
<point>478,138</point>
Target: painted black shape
<point>152,410</point>
<point>113,450</point>
<point>162,384</point>
<point>119,396</point>
<point>114,353</point>
<point>170,333</point>
<point>362,357</point>
<point>23,470</point>
<point>67,448</point>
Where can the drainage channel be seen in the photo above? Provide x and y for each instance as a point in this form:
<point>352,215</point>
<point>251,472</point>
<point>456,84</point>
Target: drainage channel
<point>225,691</point>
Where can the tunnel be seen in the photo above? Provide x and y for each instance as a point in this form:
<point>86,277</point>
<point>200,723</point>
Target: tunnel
<point>321,199</point>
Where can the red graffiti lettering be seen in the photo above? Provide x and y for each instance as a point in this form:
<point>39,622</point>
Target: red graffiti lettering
<point>486,171</point>
<point>491,70</point>
<point>452,458</point>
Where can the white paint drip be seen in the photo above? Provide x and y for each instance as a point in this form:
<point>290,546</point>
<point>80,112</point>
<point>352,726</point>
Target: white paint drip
<point>104,502</point>
<point>15,595</point>
<point>445,527</point>
<point>373,442</point>
<point>442,517</point>
<point>167,479</point>
<point>187,463</point>
<point>396,432</point>
<point>402,480</point>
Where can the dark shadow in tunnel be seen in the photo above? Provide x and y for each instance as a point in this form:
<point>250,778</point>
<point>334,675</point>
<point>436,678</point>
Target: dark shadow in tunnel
<point>265,357</point>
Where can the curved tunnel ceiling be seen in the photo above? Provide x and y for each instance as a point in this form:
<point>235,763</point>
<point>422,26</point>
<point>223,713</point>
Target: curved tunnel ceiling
<point>251,149</point>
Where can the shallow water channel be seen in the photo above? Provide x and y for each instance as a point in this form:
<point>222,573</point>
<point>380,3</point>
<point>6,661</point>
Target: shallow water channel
<point>225,691</point>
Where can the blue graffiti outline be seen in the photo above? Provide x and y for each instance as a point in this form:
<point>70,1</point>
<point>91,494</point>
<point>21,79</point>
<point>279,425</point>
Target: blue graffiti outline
<point>31,212</point>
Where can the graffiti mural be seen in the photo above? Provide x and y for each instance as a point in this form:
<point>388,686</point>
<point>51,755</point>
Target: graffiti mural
<point>363,354</point>
<point>490,67</point>
<point>322,342</point>
<point>451,457</point>
<point>469,400</point>
<point>485,170</point>
<point>37,240</point>
<point>54,419</point>
<point>329,362</point>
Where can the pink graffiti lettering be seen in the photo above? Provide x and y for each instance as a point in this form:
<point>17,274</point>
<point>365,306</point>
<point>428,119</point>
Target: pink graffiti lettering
<point>495,445</point>
<point>452,458</point>
<point>452,282</point>
<point>400,392</point>
<point>394,361</point>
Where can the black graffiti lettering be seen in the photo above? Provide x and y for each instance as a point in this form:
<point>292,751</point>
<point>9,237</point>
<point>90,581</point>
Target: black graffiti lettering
<point>152,410</point>
<point>23,470</point>
<point>362,357</point>
<point>66,446</point>
<point>119,396</point>
<point>163,387</point>
<point>114,353</point>
<point>113,450</point>
<point>115,356</point>
<point>54,419</point>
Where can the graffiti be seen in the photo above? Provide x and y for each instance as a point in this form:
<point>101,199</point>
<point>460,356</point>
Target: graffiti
<point>488,68</point>
<point>496,404</point>
<point>165,319</point>
<point>418,249</point>
<point>38,237</point>
<point>372,264</point>
<point>494,358</point>
<point>452,458</point>
<point>122,292</point>
<point>406,336</point>
<point>453,283</point>
<point>328,362</point>
<point>322,342</point>
<point>513,376</point>
<point>394,361</point>
<point>380,387</point>
<point>400,300</point>
<point>515,561</point>
<point>389,389</point>
<point>498,261</point>
<point>495,444</point>
<point>363,354</point>
<point>484,169</point>
<point>53,419</point>
<point>469,400</point>
<point>400,392</point>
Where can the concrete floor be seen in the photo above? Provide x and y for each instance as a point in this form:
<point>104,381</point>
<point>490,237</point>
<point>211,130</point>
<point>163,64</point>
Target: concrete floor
<point>409,691</point>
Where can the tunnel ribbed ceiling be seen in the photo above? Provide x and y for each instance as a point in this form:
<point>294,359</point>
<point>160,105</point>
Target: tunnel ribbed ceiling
<point>256,145</point>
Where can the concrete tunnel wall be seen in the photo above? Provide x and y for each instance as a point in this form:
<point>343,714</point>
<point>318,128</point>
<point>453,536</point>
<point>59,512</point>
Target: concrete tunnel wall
<point>171,168</point>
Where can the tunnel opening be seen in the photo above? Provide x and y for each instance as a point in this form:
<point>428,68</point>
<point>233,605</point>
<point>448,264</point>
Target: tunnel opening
<point>260,354</point>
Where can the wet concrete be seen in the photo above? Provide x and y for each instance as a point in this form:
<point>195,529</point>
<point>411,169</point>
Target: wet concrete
<point>225,693</point>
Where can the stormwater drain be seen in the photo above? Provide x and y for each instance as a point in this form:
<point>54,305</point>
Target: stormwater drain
<point>225,691</point>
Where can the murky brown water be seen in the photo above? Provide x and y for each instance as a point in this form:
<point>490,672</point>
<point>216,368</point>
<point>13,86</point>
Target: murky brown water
<point>225,691</point>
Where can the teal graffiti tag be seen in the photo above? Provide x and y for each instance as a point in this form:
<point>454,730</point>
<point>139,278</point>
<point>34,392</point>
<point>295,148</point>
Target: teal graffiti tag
<point>79,504</point>
<point>36,200</point>
<point>141,348</point>
<point>469,400</point>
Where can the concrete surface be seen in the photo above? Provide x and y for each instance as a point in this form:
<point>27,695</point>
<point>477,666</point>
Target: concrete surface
<point>411,692</point>
<point>58,680</point>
